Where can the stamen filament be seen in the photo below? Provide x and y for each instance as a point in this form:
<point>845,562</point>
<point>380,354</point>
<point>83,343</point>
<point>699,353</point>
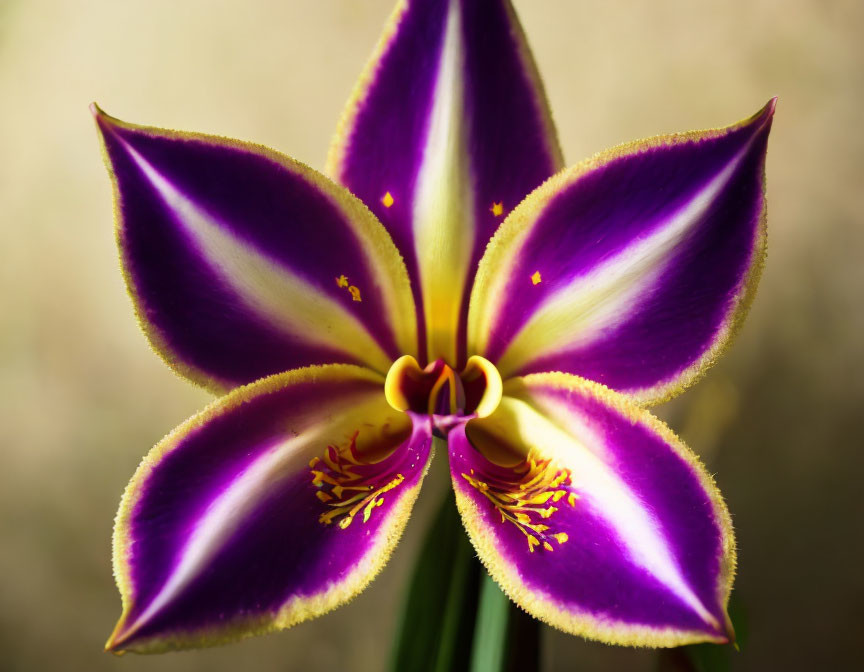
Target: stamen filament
<point>520,501</point>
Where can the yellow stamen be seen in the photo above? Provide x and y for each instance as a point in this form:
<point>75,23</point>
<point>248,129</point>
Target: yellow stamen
<point>520,500</point>
<point>346,491</point>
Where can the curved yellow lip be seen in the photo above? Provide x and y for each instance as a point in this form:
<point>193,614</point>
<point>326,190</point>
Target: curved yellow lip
<point>405,376</point>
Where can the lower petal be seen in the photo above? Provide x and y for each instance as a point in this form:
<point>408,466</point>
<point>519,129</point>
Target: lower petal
<point>276,504</point>
<point>593,516</point>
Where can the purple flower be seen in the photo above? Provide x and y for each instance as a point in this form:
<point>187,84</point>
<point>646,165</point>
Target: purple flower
<point>347,321</point>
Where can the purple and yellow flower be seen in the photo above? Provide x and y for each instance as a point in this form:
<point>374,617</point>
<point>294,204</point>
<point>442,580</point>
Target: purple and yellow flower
<point>448,279</point>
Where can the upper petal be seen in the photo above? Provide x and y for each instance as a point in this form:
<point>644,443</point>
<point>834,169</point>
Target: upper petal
<point>632,268</point>
<point>593,516</point>
<point>447,130</point>
<point>278,503</point>
<point>242,262</point>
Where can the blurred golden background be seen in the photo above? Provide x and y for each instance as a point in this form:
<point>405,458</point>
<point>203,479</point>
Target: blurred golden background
<point>82,397</point>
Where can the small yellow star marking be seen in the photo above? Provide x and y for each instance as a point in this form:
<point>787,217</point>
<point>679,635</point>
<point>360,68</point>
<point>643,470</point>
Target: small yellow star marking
<point>355,293</point>
<point>341,281</point>
<point>387,199</point>
<point>497,209</point>
<point>536,279</point>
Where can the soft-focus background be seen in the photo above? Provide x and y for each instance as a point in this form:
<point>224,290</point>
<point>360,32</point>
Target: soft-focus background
<point>82,397</point>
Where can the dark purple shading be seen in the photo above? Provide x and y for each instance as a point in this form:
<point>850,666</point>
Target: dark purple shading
<point>384,147</point>
<point>509,147</point>
<point>510,143</point>
<point>591,571</point>
<point>281,550</point>
<point>277,212</point>
<point>628,198</point>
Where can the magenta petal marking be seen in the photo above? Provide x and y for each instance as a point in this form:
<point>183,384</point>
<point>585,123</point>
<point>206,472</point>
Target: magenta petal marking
<point>223,532</point>
<point>634,268</point>
<point>638,549</point>
<point>221,241</point>
<point>506,140</point>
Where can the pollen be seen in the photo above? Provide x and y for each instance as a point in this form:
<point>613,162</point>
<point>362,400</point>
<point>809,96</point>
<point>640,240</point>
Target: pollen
<point>522,501</point>
<point>536,279</point>
<point>343,282</point>
<point>387,199</point>
<point>497,209</point>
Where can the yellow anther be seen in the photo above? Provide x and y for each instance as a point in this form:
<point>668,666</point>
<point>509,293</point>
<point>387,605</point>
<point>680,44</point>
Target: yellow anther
<point>355,293</point>
<point>387,199</point>
<point>520,501</point>
<point>497,209</point>
<point>342,281</point>
<point>536,279</point>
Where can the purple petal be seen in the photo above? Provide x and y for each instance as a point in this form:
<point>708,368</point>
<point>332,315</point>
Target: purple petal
<point>633,268</point>
<point>447,131</point>
<point>593,516</point>
<point>235,523</point>
<point>242,262</point>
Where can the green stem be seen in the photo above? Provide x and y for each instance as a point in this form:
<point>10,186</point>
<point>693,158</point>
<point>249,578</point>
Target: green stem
<point>437,619</point>
<point>490,634</point>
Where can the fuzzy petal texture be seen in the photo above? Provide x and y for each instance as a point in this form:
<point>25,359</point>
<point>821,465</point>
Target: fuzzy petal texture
<point>447,131</point>
<point>242,262</point>
<point>276,504</point>
<point>593,516</point>
<point>633,268</point>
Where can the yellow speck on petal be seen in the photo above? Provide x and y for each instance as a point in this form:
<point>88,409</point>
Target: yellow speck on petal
<point>355,293</point>
<point>387,199</point>
<point>342,281</point>
<point>497,209</point>
<point>536,279</point>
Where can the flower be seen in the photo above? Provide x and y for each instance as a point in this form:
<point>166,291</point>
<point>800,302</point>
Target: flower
<point>344,336</point>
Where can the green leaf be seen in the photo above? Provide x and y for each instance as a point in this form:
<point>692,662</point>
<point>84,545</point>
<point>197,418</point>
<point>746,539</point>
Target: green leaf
<point>437,621</point>
<point>490,634</point>
<point>506,639</point>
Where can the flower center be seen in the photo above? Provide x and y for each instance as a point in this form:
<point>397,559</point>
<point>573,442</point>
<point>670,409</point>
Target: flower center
<point>442,393</point>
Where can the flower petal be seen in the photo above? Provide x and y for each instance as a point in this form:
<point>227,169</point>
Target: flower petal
<point>633,268</point>
<point>447,130</point>
<point>593,516</point>
<point>255,515</point>
<point>242,262</point>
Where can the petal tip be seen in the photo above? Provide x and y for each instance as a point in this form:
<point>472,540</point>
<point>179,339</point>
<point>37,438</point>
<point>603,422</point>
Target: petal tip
<point>730,629</point>
<point>768,111</point>
<point>765,114</point>
<point>116,641</point>
<point>104,121</point>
